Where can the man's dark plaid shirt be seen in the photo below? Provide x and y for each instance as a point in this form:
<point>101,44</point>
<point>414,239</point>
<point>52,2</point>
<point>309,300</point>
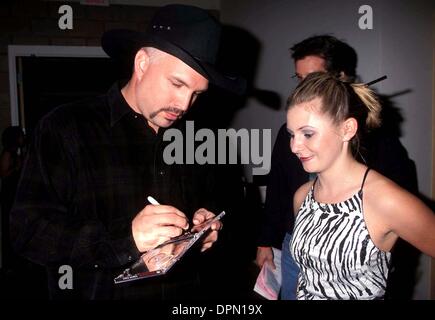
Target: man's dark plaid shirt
<point>90,167</point>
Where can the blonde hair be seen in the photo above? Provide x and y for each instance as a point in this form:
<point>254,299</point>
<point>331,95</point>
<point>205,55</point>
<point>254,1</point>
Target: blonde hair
<point>369,99</point>
<point>340,100</point>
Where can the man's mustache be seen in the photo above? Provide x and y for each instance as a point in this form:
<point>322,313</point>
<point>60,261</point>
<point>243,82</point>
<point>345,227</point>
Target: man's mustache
<point>172,110</point>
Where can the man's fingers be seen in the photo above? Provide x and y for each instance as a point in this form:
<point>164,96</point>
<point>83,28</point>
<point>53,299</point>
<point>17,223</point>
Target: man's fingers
<point>165,218</point>
<point>206,246</point>
<point>169,231</point>
<point>167,215</point>
<point>202,215</point>
<point>211,237</point>
<point>160,240</point>
<point>217,225</point>
<point>171,219</point>
<point>160,209</point>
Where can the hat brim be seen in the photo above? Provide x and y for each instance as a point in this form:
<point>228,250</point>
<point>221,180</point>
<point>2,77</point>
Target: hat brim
<point>123,44</point>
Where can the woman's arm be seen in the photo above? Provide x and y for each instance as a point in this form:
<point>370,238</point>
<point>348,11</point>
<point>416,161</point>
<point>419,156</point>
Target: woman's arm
<point>406,216</point>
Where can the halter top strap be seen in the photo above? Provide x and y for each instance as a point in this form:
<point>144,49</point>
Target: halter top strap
<point>365,176</point>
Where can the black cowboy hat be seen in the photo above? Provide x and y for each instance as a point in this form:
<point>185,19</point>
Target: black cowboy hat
<point>186,32</point>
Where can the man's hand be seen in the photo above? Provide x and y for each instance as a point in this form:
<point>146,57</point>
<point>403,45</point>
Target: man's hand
<point>156,224</point>
<point>199,217</point>
<point>264,254</point>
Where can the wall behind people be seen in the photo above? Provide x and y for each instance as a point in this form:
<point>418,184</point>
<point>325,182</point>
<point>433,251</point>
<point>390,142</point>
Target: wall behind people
<point>399,45</point>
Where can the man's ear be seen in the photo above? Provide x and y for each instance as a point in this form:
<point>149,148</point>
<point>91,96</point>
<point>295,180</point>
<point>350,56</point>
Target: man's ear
<point>141,63</point>
<point>349,129</point>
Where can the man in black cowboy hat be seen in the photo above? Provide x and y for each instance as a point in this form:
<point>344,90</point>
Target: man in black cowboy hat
<point>82,202</point>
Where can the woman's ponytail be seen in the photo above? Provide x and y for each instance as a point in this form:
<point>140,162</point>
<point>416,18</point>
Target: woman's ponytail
<point>371,102</point>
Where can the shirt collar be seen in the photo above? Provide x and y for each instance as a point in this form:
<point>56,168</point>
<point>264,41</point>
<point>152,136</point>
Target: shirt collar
<point>120,108</point>
<point>117,103</point>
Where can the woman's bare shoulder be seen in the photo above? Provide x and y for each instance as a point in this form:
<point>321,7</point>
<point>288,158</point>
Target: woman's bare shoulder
<point>381,191</point>
<point>396,211</point>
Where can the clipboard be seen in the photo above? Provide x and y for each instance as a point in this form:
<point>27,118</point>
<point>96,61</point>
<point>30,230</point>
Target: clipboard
<point>159,260</point>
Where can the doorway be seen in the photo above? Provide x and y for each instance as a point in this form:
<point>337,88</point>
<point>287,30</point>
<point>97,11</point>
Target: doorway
<point>44,77</point>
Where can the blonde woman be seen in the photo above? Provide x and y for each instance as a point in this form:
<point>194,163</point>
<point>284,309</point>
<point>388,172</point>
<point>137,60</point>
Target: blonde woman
<point>349,217</point>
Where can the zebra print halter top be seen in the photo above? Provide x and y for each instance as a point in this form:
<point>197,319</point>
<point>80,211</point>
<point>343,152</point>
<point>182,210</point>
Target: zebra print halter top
<point>335,254</point>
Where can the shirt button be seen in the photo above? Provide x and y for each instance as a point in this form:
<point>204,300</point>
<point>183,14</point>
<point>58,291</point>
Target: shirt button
<point>135,116</point>
<point>96,266</point>
<point>162,172</point>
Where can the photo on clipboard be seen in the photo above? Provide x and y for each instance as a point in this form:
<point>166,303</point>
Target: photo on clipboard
<point>159,260</point>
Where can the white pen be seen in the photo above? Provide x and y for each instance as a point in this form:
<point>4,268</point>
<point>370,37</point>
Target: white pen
<point>153,201</point>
